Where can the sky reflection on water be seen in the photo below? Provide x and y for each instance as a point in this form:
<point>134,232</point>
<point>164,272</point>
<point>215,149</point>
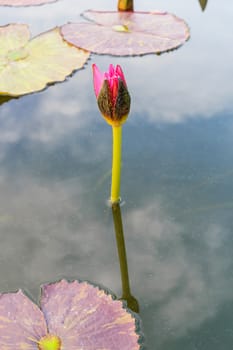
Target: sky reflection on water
<point>55,159</point>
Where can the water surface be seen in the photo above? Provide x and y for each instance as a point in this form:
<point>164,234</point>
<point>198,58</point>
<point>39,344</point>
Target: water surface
<point>55,163</point>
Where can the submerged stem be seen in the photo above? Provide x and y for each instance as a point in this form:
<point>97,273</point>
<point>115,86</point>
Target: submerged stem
<point>132,302</point>
<point>116,163</point>
<point>116,211</point>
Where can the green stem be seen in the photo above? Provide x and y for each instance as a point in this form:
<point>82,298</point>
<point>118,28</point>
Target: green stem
<point>116,163</point>
<point>125,5</point>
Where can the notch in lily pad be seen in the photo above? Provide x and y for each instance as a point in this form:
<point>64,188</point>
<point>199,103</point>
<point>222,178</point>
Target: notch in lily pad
<point>29,65</point>
<point>72,315</point>
<point>127,33</point>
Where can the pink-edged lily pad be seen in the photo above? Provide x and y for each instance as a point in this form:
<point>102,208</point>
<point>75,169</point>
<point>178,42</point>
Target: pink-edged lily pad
<point>127,33</point>
<point>72,315</point>
<point>24,2</point>
<point>29,65</point>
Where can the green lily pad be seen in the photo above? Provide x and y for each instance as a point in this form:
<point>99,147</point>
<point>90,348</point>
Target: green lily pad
<point>24,2</point>
<point>29,65</point>
<point>127,33</point>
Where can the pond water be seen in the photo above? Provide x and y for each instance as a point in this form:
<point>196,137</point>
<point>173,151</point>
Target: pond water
<point>177,179</point>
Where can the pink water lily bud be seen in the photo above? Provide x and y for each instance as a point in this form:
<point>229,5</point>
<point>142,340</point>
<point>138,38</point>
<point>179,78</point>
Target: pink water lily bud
<point>112,94</point>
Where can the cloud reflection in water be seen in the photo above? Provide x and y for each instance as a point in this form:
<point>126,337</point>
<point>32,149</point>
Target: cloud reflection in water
<point>47,233</point>
<point>187,284</point>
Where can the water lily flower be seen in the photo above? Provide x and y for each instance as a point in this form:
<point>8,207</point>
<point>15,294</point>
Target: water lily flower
<point>114,104</point>
<point>112,94</point>
<point>72,316</point>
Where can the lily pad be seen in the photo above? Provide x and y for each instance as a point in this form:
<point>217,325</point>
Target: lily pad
<point>29,65</point>
<point>72,315</point>
<point>127,33</point>
<point>24,2</point>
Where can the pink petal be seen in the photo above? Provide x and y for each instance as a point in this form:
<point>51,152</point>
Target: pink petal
<point>21,322</point>
<point>111,71</point>
<point>85,317</point>
<point>98,79</point>
<point>113,79</point>
<point>120,73</point>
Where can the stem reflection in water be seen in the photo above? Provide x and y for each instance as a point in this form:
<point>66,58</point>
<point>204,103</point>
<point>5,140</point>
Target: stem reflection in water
<point>132,302</point>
